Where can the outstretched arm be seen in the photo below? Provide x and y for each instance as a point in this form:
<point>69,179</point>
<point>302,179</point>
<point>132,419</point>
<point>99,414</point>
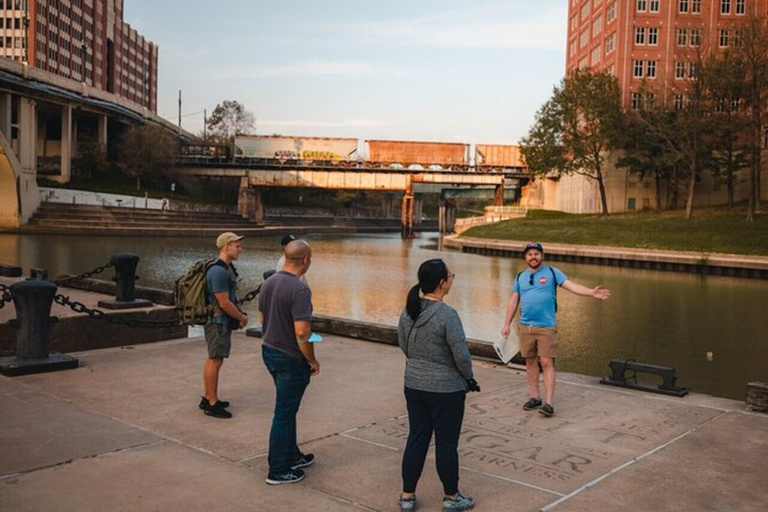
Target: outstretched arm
<point>598,292</point>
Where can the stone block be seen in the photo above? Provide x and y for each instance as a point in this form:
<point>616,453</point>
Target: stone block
<point>757,396</point>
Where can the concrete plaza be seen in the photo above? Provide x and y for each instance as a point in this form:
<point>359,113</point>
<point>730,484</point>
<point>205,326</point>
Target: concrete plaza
<point>123,433</point>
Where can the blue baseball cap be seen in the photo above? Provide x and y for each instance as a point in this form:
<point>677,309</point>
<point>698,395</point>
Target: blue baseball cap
<point>533,245</point>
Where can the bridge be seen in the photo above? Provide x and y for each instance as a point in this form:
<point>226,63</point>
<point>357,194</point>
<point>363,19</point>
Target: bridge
<point>42,118</point>
<point>256,179</point>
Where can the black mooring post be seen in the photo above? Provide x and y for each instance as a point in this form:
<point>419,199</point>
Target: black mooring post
<point>125,278</point>
<point>32,300</point>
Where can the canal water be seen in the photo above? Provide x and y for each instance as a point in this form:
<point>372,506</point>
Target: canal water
<point>655,317</point>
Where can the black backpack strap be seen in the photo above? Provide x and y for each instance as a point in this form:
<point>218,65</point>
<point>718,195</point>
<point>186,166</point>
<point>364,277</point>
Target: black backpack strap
<point>554,279</point>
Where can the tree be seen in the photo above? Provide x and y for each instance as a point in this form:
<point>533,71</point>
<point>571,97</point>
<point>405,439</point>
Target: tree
<point>230,119</point>
<point>575,130</point>
<point>752,49</point>
<point>149,151</point>
<point>91,158</point>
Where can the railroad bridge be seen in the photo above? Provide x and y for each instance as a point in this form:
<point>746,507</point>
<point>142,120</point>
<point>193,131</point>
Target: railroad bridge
<point>255,180</point>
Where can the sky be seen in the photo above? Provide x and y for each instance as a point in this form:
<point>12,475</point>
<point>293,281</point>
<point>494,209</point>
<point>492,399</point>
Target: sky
<point>433,70</point>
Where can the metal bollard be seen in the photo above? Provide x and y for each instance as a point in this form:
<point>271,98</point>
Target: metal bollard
<point>125,278</point>
<point>32,300</point>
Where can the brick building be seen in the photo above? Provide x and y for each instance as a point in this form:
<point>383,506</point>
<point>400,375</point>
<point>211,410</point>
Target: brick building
<point>84,40</point>
<point>651,41</point>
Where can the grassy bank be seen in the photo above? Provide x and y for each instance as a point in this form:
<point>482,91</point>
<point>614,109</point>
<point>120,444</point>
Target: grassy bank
<point>710,230</point>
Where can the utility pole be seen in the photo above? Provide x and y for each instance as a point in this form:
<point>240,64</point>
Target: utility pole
<point>179,111</point>
<point>205,125</point>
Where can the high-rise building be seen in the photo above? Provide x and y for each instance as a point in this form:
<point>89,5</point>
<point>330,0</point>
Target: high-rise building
<point>651,42</point>
<point>84,40</point>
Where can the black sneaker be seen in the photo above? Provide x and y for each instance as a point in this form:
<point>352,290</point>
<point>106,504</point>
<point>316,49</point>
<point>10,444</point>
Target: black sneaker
<point>305,460</point>
<point>289,477</point>
<point>532,403</point>
<point>217,410</point>
<point>547,410</point>
<point>205,403</point>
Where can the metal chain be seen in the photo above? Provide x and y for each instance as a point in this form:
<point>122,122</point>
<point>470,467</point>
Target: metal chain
<point>84,275</point>
<point>79,307</point>
<point>5,295</point>
<point>251,295</point>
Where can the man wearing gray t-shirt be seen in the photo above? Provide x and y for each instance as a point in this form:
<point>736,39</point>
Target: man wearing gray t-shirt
<point>285,304</point>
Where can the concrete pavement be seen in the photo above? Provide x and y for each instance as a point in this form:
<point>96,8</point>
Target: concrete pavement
<point>123,432</point>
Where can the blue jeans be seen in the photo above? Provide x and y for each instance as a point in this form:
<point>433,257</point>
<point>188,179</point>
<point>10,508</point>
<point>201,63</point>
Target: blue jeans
<point>291,376</point>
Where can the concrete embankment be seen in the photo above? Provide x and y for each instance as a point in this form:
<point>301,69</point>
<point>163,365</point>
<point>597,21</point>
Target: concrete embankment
<point>678,261</point>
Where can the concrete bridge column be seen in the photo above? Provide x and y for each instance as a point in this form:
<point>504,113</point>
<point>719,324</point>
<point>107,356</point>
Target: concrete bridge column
<point>498,196</point>
<point>418,202</point>
<point>254,205</point>
<point>406,216</point>
<point>388,205</point>
<point>241,197</point>
<point>66,144</point>
<point>102,135</point>
<point>28,134</point>
<point>446,217</point>
<point>6,108</point>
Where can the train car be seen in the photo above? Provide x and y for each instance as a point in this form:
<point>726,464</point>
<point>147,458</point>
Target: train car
<point>418,155</point>
<point>498,157</point>
<point>205,153</point>
<point>300,150</point>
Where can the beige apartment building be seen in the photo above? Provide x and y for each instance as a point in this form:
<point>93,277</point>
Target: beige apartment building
<point>83,40</point>
<point>641,42</point>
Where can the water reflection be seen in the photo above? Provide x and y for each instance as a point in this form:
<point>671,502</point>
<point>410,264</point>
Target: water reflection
<point>654,317</point>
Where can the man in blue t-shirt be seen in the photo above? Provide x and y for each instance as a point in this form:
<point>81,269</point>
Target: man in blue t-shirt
<point>535,290</point>
<point>221,291</point>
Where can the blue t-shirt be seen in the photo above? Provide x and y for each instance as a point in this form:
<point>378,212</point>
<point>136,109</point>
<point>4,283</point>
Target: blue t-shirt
<point>219,279</point>
<point>538,294</point>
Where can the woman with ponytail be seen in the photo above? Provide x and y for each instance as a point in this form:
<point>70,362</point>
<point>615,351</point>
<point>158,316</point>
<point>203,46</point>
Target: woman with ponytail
<point>438,374</point>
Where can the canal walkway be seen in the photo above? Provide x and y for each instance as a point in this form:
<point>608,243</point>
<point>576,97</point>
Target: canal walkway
<point>123,432</point>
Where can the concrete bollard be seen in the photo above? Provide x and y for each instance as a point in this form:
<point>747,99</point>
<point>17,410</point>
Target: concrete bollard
<point>125,278</point>
<point>32,300</point>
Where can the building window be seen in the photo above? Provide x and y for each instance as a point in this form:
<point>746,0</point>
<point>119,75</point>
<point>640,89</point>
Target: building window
<point>611,70</point>
<point>572,48</point>
<point>584,63</point>
<point>650,69</point>
<point>679,101</point>
<point>639,35</point>
<point>695,37</point>
<point>679,70</point>
<point>638,69</point>
<point>682,6</point>
<point>654,6</point>
<point>631,201</point>
<point>596,54</point>
<point>692,70</point>
<point>610,43</point>
<point>723,40</point>
<point>574,23</point>
<point>682,37</point>
<point>584,38</point>
<point>725,6</point>
<point>642,5</point>
<point>610,13</point>
<point>653,36</point>
<point>637,100</point>
<point>740,8</point>
<point>738,38</point>
<point>650,100</point>
<point>696,6</point>
<point>585,11</point>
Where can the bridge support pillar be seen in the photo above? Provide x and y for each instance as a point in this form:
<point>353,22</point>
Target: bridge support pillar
<point>388,205</point>
<point>406,217</point>
<point>6,107</point>
<point>418,202</point>
<point>28,134</point>
<point>253,207</point>
<point>241,197</point>
<point>498,196</point>
<point>102,135</point>
<point>66,144</point>
<point>446,217</point>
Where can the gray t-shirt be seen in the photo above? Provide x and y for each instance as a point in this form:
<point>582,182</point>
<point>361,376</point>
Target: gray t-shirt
<point>283,300</point>
<point>436,348</point>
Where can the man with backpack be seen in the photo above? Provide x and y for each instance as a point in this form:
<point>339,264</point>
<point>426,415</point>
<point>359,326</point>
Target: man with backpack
<point>221,292</point>
<point>535,290</point>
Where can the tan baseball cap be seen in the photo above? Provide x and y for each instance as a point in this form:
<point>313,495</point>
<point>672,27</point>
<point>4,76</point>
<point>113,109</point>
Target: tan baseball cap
<point>227,238</point>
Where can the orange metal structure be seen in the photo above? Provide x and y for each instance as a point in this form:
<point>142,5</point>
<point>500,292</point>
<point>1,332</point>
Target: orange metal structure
<point>490,157</point>
<point>425,154</point>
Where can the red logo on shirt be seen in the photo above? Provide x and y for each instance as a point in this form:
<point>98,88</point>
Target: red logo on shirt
<point>542,280</point>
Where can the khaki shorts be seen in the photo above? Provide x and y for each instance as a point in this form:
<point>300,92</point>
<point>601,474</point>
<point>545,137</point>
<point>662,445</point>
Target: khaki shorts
<point>218,337</point>
<point>537,341</point>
